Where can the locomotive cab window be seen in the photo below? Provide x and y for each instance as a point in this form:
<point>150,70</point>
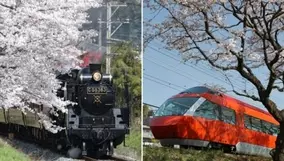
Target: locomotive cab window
<point>208,110</point>
<point>228,115</point>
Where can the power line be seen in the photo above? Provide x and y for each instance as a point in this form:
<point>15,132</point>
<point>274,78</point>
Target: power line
<point>148,104</point>
<point>181,74</point>
<point>188,64</point>
<point>237,86</point>
<point>127,35</point>
<point>205,67</point>
<point>169,83</point>
<point>222,80</point>
<point>161,83</point>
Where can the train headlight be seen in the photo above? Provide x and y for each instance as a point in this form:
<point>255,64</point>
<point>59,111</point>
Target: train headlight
<point>97,76</point>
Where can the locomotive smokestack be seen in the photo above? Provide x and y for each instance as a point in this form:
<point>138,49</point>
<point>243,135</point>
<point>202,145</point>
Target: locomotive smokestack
<point>95,67</point>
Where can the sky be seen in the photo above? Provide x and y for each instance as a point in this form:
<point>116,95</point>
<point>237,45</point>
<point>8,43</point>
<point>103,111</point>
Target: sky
<point>161,66</point>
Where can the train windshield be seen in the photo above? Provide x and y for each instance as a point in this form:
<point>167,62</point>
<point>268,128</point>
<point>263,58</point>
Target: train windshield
<point>176,106</point>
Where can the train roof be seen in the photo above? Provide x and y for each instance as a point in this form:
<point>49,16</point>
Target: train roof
<point>203,89</point>
<point>246,104</point>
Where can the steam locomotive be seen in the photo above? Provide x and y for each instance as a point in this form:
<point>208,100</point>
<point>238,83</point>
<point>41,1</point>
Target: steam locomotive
<point>93,125</point>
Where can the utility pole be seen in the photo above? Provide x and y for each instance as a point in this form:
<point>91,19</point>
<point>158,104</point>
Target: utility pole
<point>110,32</point>
<point>108,49</point>
<point>100,32</point>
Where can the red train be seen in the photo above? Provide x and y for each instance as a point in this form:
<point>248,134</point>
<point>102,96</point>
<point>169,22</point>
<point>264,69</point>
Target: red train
<point>201,117</point>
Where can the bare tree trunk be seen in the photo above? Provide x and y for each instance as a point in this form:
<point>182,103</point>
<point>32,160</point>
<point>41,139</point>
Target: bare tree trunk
<point>278,152</point>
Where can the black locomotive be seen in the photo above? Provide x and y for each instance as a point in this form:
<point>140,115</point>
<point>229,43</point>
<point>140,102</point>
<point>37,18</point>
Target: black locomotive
<point>94,126</point>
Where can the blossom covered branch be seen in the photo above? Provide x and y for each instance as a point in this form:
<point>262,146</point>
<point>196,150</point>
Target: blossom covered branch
<point>38,38</point>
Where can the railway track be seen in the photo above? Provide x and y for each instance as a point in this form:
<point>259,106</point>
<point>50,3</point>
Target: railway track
<point>24,144</point>
<point>113,158</point>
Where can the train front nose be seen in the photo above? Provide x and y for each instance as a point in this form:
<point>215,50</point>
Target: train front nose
<point>166,126</point>
<point>170,121</point>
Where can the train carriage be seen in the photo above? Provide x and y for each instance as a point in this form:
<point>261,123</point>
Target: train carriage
<point>93,125</point>
<point>201,117</point>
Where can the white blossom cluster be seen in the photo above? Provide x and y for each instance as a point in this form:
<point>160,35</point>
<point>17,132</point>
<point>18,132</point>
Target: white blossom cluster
<point>38,38</point>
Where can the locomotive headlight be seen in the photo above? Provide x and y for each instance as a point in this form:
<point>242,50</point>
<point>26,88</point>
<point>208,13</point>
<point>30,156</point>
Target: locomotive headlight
<point>97,76</point>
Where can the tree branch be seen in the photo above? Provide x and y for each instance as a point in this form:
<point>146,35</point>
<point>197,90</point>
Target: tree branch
<point>278,88</point>
<point>253,97</point>
<point>196,45</point>
<point>245,94</point>
<point>249,76</point>
<point>6,6</point>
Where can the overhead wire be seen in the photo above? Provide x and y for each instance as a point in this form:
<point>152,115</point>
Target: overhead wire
<point>229,81</point>
<point>151,105</point>
<point>169,83</point>
<point>161,83</point>
<point>174,71</point>
<point>176,59</point>
<point>199,69</point>
<point>110,19</point>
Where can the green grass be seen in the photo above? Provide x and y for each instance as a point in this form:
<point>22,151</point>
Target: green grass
<point>134,139</point>
<point>133,144</point>
<point>8,153</point>
<point>170,154</point>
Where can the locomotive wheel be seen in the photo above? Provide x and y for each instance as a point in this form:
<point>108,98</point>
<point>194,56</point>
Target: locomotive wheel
<point>74,153</point>
<point>103,151</point>
<point>96,153</point>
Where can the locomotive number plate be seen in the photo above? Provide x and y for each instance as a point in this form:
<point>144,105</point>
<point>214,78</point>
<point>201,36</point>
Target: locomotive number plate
<point>97,90</point>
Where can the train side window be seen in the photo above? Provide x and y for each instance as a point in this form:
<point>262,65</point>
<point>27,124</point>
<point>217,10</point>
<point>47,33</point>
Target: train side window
<point>208,110</point>
<point>228,115</point>
<point>247,122</point>
<point>275,130</point>
<point>256,124</point>
<point>267,127</point>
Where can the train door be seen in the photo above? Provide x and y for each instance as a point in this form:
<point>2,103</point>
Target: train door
<point>241,136</point>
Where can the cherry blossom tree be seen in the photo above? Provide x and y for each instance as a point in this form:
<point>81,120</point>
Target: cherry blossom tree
<point>38,39</point>
<point>230,35</point>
